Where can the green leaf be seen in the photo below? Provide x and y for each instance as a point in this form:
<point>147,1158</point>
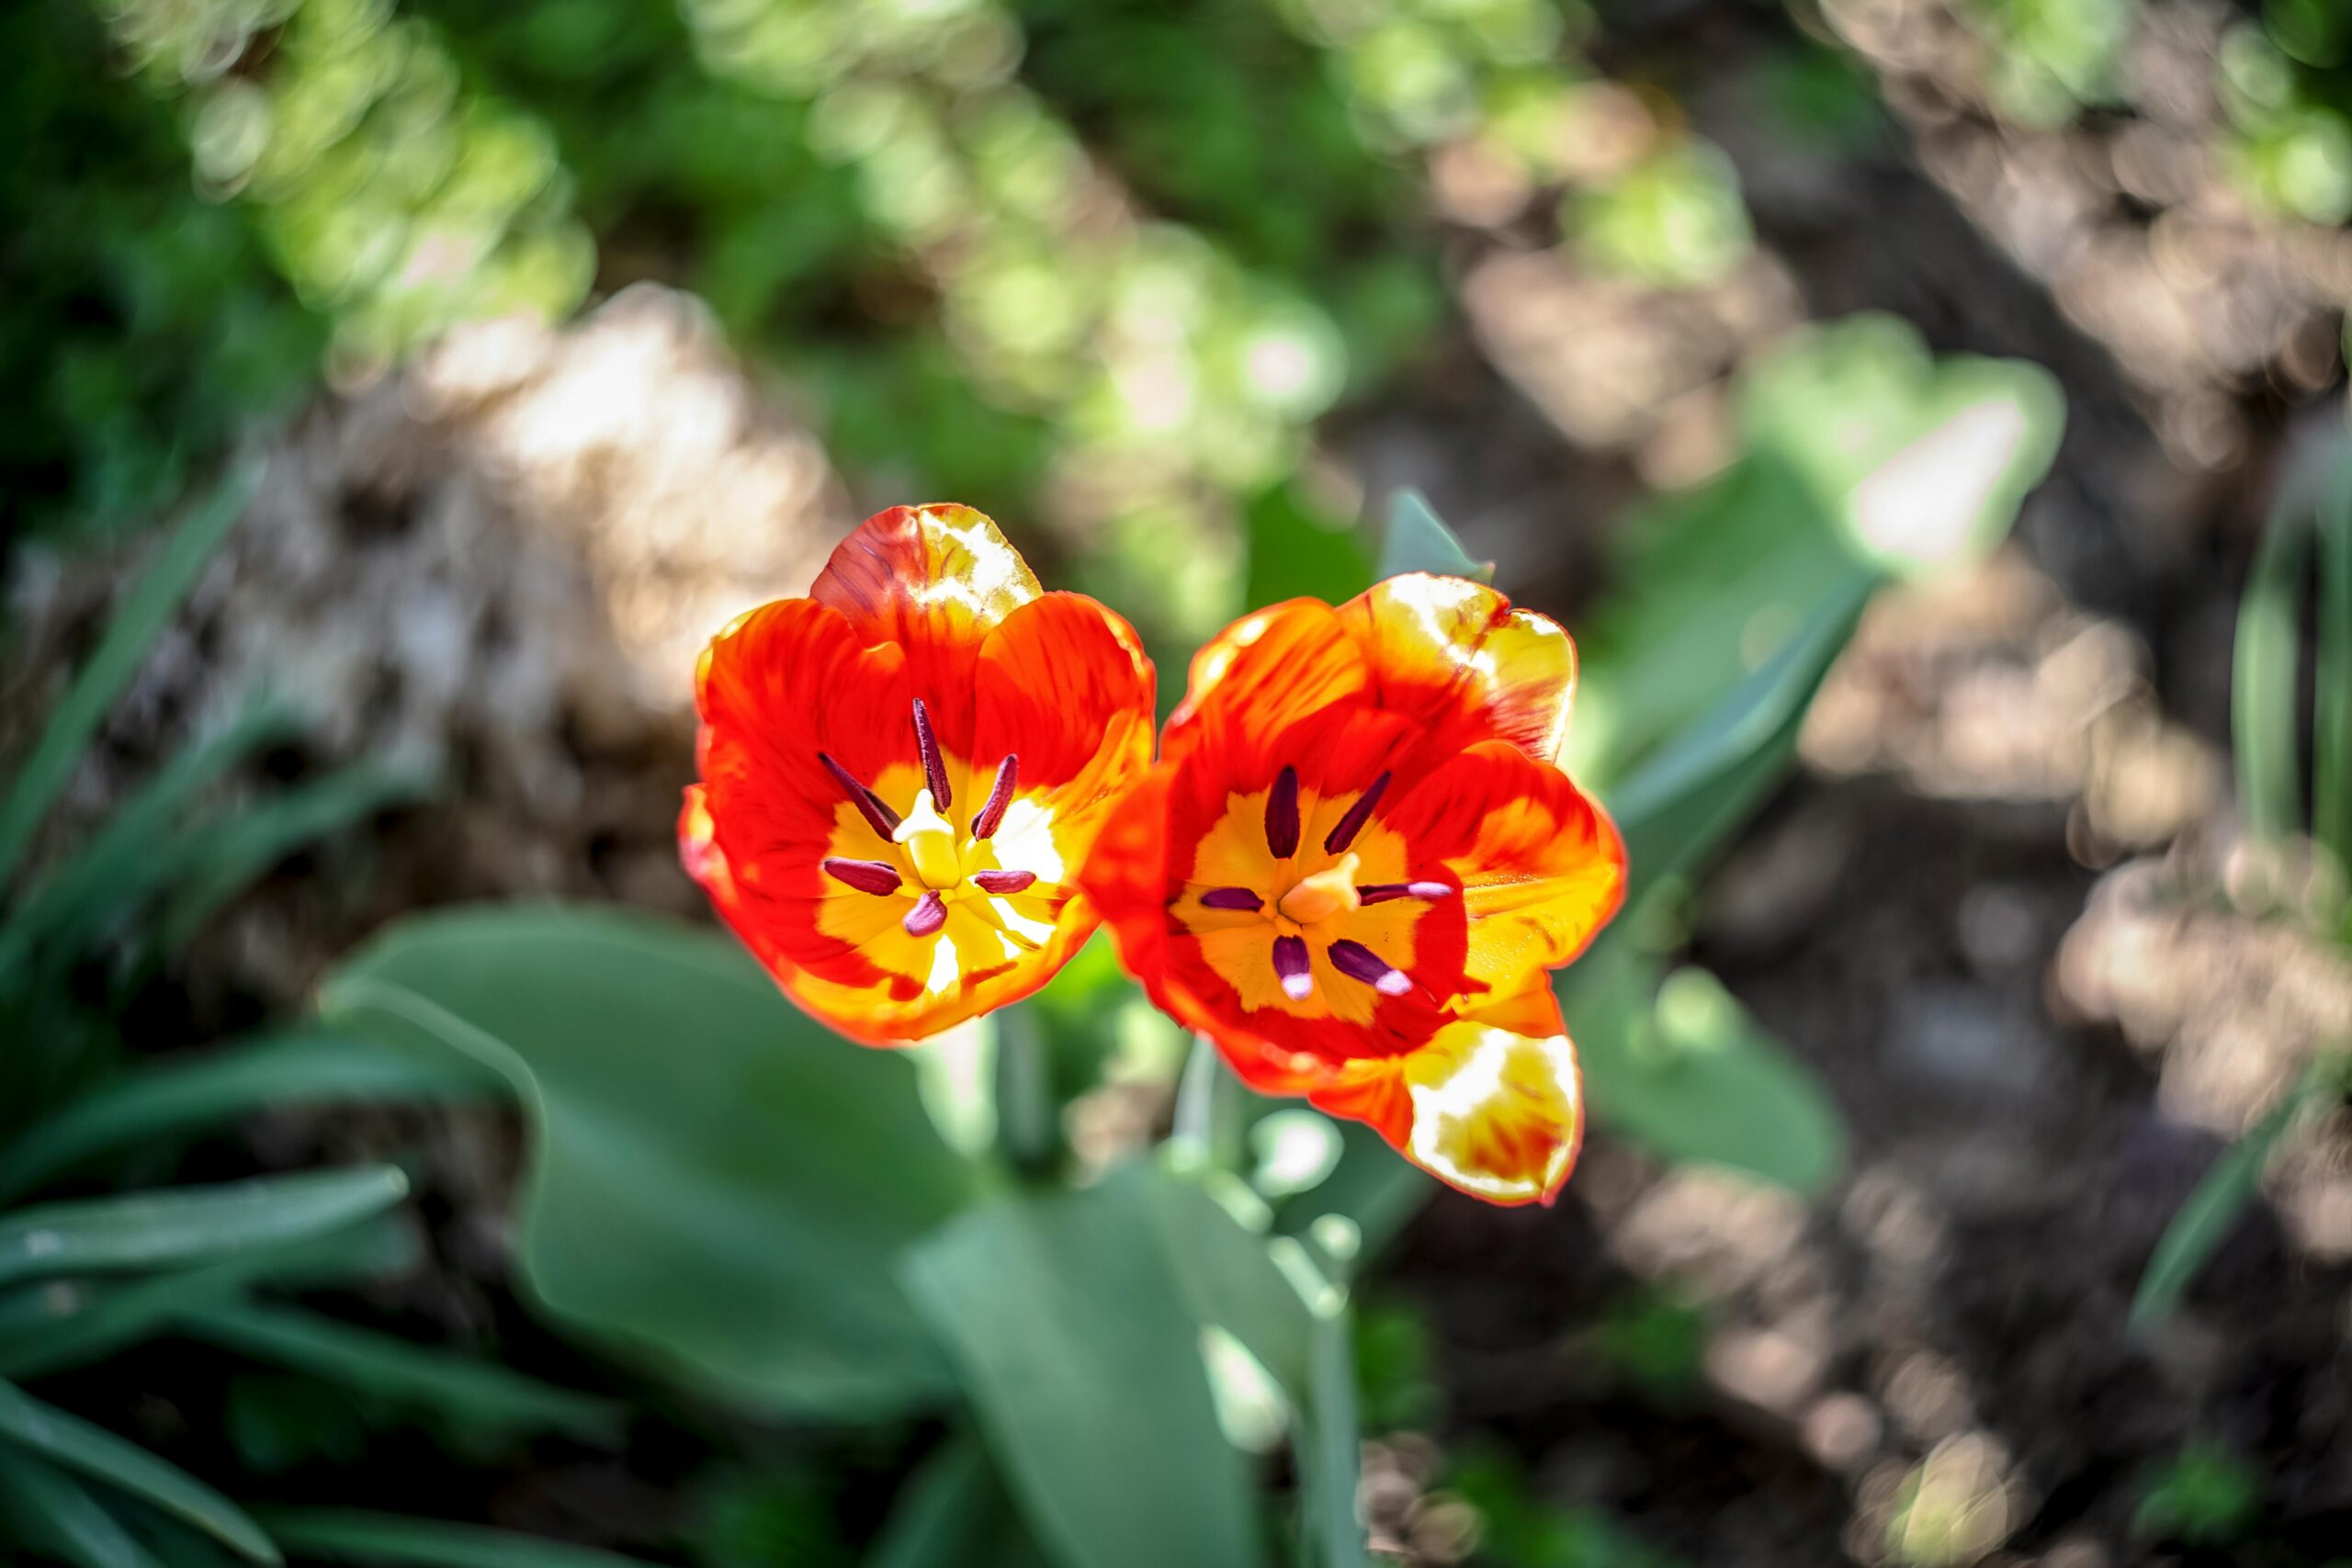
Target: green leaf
<point>1696,791</point>
<point>341,1535</point>
<point>144,612</point>
<point>2332,698</point>
<point>1418,540</point>
<point>1682,1069</point>
<point>178,1096</point>
<point>1296,551</point>
<point>190,1224</point>
<point>1064,1318</point>
<point>63,1323</point>
<point>49,1509</point>
<point>479,1393</point>
<point>232,854</point>
<point>2263,675</point>
<point>73,1444</point>
<point>2212,1208</point>
<point>952,1513</point>
<point>716,1183</point>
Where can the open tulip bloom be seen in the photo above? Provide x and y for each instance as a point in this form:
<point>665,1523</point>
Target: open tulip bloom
<point>1357,862</point>
<point>1352,869</point>
<point>902,771</point>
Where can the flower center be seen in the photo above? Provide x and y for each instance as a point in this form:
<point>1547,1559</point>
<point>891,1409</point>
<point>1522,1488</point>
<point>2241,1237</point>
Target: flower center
<point>1329,892</point>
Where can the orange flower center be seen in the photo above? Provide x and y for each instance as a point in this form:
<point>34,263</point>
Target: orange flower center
<point>1317,925</point>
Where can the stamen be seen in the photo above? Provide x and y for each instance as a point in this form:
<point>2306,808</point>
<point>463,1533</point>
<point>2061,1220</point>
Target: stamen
<point>1290,963</point>
<point>1358,962</point>
<point>1002,882</point>
<point>1281,815</point>
<point>1230,898</point>
<point>991,816</point>
<point>934,766</point>
<point>929,914</point>
<point>1358,815</point>
<point>1380,892</point>
<point>884,821</point>
<point>866,875</point>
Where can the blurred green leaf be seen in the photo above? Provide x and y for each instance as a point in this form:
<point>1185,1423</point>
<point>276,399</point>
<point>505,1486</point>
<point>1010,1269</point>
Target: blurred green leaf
<point>667,1209</point>
<point>2331,695</point>
<point>952,1513</point>
<point>140,618</point>
<point>1679,1068</point>
<point>1418,540</point>
<point>1296,551</point>
<point>50,1511</point>
<point>190,1224</point>
<point>2205,1495</point>
<point>1684,802</point>
<point>344,1535</point>
<point>2262,685</point>
<point>2205,1221</point>
<point>477,1394</point>
<point>1064,1316</point>
<point>73,1444</point>
<point>181,1095</point>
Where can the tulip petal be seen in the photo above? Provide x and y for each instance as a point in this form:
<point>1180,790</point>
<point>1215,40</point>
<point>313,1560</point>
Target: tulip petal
<point>1491,1105</point>
<point>1263,674</point>
<point>1445,647</point>
<point>1540,866</point>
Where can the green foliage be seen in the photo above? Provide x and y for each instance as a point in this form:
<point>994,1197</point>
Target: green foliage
<point>1674,220</point>
<point>664,1214</point>
<point>1518,1530</point>
<point>2205,1495</point>
<point>1653,1341</point>
<point>1417,540</point>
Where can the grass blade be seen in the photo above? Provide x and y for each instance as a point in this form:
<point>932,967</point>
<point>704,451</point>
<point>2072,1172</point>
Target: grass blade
<point>1418,540</point>
<point>2262,673</point>
<point>190,1224</point>
<point>74,1443</point>
<point>477,1393</point>
<point>51,1510</point>
<point>140,619</point>
<point>339,1535</point>
<point>2332,700</point>
<point>174,1097</point>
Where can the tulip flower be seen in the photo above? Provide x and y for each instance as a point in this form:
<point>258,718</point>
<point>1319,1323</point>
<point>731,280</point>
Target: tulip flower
<point>902,771</point>
<point>1357,862</point>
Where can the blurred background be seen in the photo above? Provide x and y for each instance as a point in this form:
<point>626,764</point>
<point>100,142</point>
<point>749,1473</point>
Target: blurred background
<point>517,347</point>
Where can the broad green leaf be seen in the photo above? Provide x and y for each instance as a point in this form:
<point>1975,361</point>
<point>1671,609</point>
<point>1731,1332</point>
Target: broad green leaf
<point>2262,685</point>
<point>45,1508</point>
<point>1064,1318</point>
<point>952,1513</point>
<point>190,1224</point>
<point>1296,552</point>
<point>1418,540</point>
<point>1332,1452</point>
<point>62,1324</point>
<point>181,1094</point>
<point>2332,687</point>
<point>73,1444</point>
<point>716,1183</point>
<point>1696,791</point>
<point>341,1535</point>
<point>480,1394</point>
<point>1680,1068</point>
<point>232,854</point>
<point>144,612</point>
<point>2213,1207</point>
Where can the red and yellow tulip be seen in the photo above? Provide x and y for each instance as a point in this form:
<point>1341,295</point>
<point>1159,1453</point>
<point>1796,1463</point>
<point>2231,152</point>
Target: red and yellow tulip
<point>1358,860</point>
<point>903,772</point>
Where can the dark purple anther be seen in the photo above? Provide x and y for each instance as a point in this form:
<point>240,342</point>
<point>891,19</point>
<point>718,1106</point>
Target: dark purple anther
<point>1380,892</point>
<point>1281,815</point>
<point>1004,882</point>
<point>884,821</point>
<point>1290,964</point>
<point>929,914</point>
<point>934,766</point>
<point>991,816</point>
<point>1358,962</point>
<point>1358,815</point>
<point>1230,899</point>
<point>865,875</point>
